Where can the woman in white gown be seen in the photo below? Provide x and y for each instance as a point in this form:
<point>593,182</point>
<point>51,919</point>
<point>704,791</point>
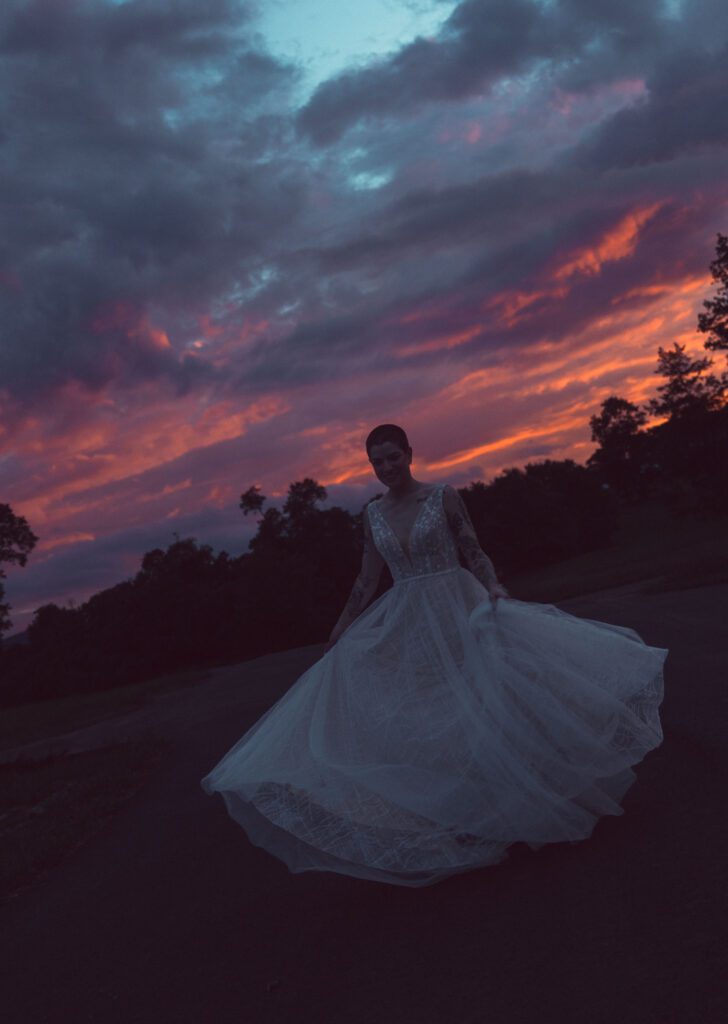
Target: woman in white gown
<point>445,720</point>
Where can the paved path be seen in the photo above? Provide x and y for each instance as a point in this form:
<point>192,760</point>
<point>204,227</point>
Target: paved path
<point>170,915</point>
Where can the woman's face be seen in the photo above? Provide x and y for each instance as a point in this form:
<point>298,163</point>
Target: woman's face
<point>389,462</point>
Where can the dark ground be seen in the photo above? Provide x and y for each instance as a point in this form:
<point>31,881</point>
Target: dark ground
<point>169,914</point>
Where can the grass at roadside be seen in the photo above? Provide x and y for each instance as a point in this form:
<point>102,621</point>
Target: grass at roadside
<point>53,806</point>
<point>651,547</point>
<point>41,719</point>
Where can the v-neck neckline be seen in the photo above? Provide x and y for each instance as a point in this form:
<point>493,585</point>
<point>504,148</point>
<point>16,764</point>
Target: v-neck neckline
<point>407,553</point>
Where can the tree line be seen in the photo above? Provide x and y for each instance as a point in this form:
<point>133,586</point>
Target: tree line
<point>189,606</point>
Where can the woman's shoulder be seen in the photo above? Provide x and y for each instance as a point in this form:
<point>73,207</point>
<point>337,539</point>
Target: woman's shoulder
<point>451,499</point>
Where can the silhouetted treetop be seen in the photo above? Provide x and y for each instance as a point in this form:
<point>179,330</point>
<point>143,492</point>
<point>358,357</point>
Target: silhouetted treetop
<point>302,497</point>
<point>618,421</point>
<point>183,560</point>
<point>17,540</point>
<point>271,531</point>
<point>252,500</point>
<point>617,429</point>
<point>714,323</point>
<point>688,387</point>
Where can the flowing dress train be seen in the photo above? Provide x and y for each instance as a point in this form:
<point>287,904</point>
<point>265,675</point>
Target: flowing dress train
<point>439,731</point>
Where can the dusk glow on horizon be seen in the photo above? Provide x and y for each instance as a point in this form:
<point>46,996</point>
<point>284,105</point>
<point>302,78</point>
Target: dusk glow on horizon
<point>238,235</point>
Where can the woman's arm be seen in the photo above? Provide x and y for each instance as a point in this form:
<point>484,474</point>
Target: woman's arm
<point>464,533</point>
<point>365,584</point>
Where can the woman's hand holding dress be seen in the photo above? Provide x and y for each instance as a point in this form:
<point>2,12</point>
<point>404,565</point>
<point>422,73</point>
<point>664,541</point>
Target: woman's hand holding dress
<point>497,590</point>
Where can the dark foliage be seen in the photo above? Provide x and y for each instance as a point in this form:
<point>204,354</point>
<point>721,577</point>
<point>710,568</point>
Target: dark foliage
<point>686,462</point>
<point>683,459</point>
<point>688,387</point>
<point>188,606</point>
<point>619,457</point>
<point>541,514</point>
<point>17,540</point>
<point>714,322</point>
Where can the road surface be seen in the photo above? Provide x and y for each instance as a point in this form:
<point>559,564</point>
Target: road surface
<point>169,914</point>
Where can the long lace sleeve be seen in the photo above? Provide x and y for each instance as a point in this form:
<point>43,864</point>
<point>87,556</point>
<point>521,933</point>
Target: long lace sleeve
<point>464,533</point>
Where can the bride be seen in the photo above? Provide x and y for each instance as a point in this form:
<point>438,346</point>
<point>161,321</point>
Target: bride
<point>445,720</point>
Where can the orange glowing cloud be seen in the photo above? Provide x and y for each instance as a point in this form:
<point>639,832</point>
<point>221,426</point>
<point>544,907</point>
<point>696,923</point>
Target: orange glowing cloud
<point>514,306</point>
<point>570,419</point>
<point>616,244</point>
<point>157,338</point>
<point>68,538</point>
<point>121,315</point>
<point>614,354</point>
<point>117,439</point>
<point>219,495</point>
<point>449,340</point>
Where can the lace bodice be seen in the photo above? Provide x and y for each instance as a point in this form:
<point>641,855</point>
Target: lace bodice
<point>431,545</point>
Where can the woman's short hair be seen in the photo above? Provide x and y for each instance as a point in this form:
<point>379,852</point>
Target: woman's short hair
<point>387,432</point>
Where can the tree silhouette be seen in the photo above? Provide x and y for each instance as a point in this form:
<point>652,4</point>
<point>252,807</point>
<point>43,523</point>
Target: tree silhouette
<point>534,516</point>
<point>271,533</point>
<point>619,421</point>
<point>252,500</point>
<point>184,561</point>
<point>302,498</point>
<point>17,540</point>
<point>714,323</point>
<point>688,389</point>
<point>617,429</point>
<point>304,560</point>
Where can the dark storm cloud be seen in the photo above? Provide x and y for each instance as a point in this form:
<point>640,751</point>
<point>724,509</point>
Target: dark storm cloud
<point>482,41</point>
<point>475,210</point>
<point>508,226</point>
<point>184,28</point>
<point>130,179</point>
<point>687,110</point>
<point>151,165</point>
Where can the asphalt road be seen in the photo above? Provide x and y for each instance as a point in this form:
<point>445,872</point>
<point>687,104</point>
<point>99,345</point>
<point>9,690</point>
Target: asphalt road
<point>169,914</point>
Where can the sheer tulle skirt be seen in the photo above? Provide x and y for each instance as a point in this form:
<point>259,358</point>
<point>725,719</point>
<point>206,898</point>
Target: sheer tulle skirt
<point>438,732</point>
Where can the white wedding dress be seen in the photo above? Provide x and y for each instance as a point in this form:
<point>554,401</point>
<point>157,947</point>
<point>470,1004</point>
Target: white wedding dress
<point>437,731</point>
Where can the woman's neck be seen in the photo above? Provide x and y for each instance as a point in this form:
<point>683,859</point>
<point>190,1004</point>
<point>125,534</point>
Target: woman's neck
<point>404,490</point>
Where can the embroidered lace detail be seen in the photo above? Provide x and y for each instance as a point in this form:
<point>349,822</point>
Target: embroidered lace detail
<point>432,546</point>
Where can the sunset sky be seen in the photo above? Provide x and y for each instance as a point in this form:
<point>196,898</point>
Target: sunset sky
<point>238,235</point>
